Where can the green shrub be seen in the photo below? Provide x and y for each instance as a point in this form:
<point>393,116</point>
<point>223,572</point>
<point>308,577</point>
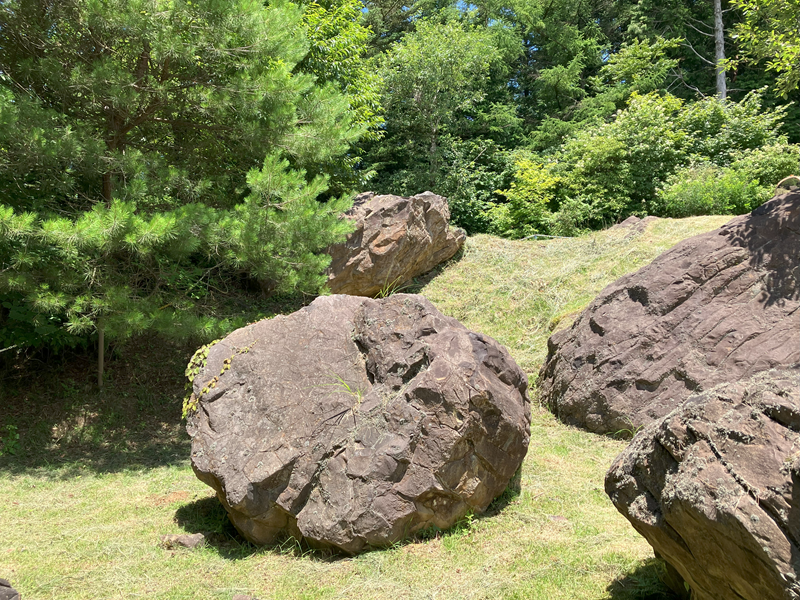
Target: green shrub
<point>529,197</point>
<point>471,172</point>
<point>718,131</point>
<point>707,189</point>
<point>660,156</point>
<point>769,164</point>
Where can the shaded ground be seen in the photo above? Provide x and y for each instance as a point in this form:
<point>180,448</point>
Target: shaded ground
<point>63,419</point>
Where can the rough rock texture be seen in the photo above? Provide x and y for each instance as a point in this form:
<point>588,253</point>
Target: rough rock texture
<point>635,224</point>
<point>7,592</point>
<point>357,422</point>
<point>395,240</point>
<point>715,488</point>
<point>186,540</point>
<point>717,307</point>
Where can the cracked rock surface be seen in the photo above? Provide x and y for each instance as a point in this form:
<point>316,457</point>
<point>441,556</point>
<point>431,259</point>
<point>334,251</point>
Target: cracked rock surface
<point>714,487</point>
<point>7,592</point>
<point>717,307</point>
<point>357,422</point>
<point>396,238</point>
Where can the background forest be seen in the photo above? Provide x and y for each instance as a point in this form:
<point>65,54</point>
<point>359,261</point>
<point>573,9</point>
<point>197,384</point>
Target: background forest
<point>167,166</point>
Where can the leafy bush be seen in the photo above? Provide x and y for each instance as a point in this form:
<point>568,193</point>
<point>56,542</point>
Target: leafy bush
<point>716,157</point>
<point>769,164</point>
<point>529,197</point>
<point>717,131</point>
<point>707,189</point>
<point>471,172</point>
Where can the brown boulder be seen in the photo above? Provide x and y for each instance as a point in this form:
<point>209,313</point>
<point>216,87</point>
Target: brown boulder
<point>186,540</point>
<point>714,487</point>
<point>7,592</point>
<point>356,422</point>
<point>717,307</point>
<point>395,240</point>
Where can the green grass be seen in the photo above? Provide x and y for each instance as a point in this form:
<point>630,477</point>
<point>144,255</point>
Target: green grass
<point>98,477</point>
<point>520,291</point>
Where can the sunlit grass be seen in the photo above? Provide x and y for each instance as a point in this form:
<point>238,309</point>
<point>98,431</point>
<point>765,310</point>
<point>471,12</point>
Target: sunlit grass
<point>519,291</point>
<point>82,508</point>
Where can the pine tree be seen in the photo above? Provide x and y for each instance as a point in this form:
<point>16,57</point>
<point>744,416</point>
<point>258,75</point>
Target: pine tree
<point>133,177</point>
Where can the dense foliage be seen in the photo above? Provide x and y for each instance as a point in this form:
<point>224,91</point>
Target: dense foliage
<point>588,109</point>
<point>159,158</point>
<point>165,164</point>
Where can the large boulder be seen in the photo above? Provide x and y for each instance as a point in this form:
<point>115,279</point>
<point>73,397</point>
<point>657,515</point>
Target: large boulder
<point>714,487</point>
<point>718,307</point>
<point>395,240</point>
<point>357,422</point>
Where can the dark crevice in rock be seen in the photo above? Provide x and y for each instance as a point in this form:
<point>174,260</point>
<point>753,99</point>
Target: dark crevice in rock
<point>650,386</point>
<point>688,382</point>
<point>638,294</point>
<point>619,384</point>
<point>788,416</point>
<point>596,328</point>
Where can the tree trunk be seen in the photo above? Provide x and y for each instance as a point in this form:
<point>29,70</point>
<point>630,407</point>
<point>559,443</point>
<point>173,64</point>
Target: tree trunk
<point>101,351</point>
<point>108,187</point>
<point>719,51</point>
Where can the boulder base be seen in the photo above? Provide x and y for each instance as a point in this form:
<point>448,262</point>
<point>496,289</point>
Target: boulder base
<point>356,422</point>
<point>7,592</point>
<point>714,487</point>
<point>718,307</point>
<point>395,240</point>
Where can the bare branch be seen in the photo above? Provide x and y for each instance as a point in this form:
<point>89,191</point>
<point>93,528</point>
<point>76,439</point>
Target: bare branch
<point>700,56</point>
<point>700,32</point>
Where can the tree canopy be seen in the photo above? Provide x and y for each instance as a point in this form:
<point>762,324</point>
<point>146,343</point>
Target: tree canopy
<point>166,163</point>
<point>157,157</point>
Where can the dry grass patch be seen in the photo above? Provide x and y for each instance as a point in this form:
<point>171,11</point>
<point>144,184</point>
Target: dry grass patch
<point>100,477</point>
<point>520,291</point>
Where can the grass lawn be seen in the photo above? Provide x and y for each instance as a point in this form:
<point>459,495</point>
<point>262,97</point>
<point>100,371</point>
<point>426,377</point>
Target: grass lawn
<point>98,477</point>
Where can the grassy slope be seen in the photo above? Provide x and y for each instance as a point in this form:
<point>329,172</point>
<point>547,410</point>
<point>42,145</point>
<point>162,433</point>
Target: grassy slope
<point>100,477</point>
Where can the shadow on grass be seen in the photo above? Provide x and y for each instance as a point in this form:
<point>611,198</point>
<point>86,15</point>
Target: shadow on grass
<point>66,425</point>
<point>418,283</point>
<point>643,583</point>
<point>511,493</point>
<point>208,516</point>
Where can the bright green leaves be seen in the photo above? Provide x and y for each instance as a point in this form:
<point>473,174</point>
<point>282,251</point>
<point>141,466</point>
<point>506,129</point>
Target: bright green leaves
<point>337,42</point>
<point>435,81</point>
<point>279,233</point>
<point>770,30</point>
<point>435,72</point>
<point>606,172</point>
<point>529,199</point>
<point>641,66</point>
